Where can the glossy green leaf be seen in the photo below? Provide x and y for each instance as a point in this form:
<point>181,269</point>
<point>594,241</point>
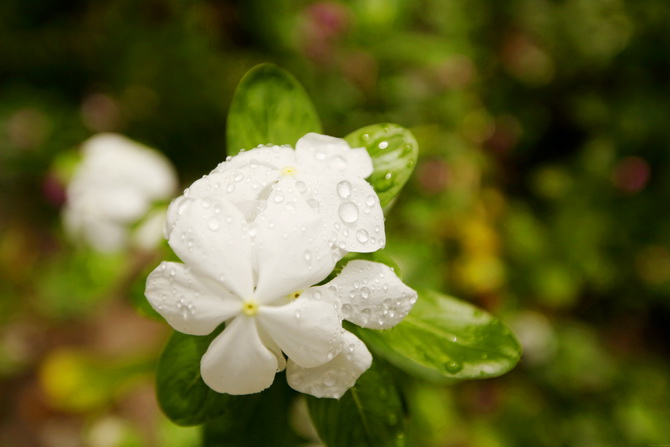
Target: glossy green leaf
<point>394,151</point>
<point>256,420</point>
<point>444,338</point>
<point>269,107</point>
<point>370,414</point>
<point>181,393</point>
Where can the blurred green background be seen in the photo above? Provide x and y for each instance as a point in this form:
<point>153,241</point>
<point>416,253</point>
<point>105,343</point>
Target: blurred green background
<point>542,194</point>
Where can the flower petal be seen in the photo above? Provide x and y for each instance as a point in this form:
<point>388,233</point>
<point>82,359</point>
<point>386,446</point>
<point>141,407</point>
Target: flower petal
<point>294,249</point>
<point>237,361</point>
<point>191,304</point>
<point>352,209</point>
<point>317,152</point>
<point>371,295</point>
<point>334,378</point>
<point>307,330</point>
<point>212,238</point>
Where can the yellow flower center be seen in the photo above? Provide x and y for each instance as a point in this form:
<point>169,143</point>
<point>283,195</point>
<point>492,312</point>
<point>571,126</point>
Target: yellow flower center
<point>289,170</point>
<point>249,308</point>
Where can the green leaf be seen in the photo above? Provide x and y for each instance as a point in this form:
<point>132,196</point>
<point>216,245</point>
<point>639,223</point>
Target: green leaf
<point>444,338</point>
<point>181,393</point>
<point>394,151</point>
<point>370,414</point>
<point>257,420</point>
<point>269,107</point>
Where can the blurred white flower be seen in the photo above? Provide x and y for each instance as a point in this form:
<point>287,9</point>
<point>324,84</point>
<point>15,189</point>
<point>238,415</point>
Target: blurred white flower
<point>328,175</point>
<point>112,189</point>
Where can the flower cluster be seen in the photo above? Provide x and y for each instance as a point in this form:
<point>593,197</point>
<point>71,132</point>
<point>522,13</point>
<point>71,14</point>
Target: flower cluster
<point>112,189</point>
<point>257,236</point>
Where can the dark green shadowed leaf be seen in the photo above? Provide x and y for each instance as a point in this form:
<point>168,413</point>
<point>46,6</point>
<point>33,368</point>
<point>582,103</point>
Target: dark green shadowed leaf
<point>370,414</point>
<point>394,151</point>
<point>444,338</point>
<point>256,420</point>
<point>181,393</point>
<point>269,107</point>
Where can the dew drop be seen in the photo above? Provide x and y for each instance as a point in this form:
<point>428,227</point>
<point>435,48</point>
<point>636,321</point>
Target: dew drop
<point>330,378</point>
<point>300,186</point>
<point>230,188</point>
<point>337,163</point>
<point>214,224</point>
<point>307,255</point>
<point>348,212</point>
<point>206,203</point>
<point>452,366</point>
<point>313,203</point>
<point>362,236</point>
<point>279,198</point>
<point>383,145</point>
<point>297,314</point>
<point>346,309</point>
<point>365,292</point>
<point>371,200</point>
<point>344,189</point>
<point>388,176</point>
<point>238,177</point>
<point>320,156</point>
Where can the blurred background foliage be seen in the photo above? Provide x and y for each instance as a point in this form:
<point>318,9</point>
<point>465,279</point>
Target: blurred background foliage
<point>540,194</point>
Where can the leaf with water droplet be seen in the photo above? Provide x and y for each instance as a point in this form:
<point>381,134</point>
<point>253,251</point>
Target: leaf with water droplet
<point>371,411</point>
<point>394,151</point>
<point>444,338</point>
<point>269,106</point>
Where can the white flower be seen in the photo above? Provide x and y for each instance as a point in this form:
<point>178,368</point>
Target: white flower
<point>324,170</point>
<point>257,277</point>
<point>113,188</point>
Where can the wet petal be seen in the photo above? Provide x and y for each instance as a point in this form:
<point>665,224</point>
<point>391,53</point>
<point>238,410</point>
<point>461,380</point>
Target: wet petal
<point>212,238</point>
<point>237,361</point>
<point>294,249</point>
<point>191,304</point>
<point>371,295</point>
<point>317,152</point>
<point>276,157</point>
<point>351,208</point>
<point>334,378</point>
<point>307,330</point>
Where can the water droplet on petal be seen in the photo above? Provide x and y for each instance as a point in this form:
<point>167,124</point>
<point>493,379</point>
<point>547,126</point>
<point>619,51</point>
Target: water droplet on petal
<point>214,224</point>
<point>206,203</point>
<point>230,188</point>
<point>308,255</point>
<point>330,378</point>
<point>320,156</point>
<point>383,145</point>
<point>346,309</point>
<point>348,212</point>
<point>300,186</point>
<point>297,314</point>
<point>371,200</point>
<point>337,163</point>
<point>388,176</point>
<point>279,198</point>
<point>362,236</point>
<point>344,189</point>
<point>365,292</point>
